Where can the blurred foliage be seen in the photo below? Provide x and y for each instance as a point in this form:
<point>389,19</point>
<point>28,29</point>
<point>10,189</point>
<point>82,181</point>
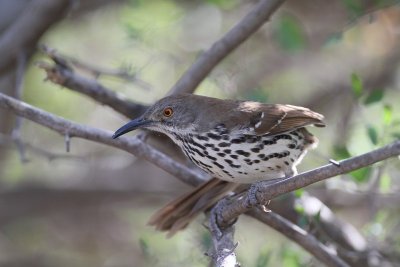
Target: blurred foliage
<point>290,34</point>
<point>301,54</point>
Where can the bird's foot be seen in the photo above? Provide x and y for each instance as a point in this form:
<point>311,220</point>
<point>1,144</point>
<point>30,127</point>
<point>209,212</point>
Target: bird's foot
<point>215,214</point>
<point>252,200</point>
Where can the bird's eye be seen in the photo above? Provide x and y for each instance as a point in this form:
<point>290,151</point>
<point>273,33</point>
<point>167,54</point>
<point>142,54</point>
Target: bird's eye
<point>168,112</point>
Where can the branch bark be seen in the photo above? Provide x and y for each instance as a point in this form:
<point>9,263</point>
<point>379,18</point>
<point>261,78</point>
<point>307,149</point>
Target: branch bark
<point>32,23</point>
<point>220,49</point>
<point>62,74</point>
<point>268,191</point>
<point>304,239</point>
<point>129,144</point>
<point>190,176</point>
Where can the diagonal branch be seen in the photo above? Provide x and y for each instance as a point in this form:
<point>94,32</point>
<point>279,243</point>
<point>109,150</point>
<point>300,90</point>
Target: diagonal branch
<point>220,49</point>
<point>268,191</point>
<point>131,145</point>
<point>63,75</point>
<point>295,233</point>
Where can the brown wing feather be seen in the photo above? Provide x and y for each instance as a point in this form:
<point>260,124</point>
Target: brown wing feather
<point>283,118</point>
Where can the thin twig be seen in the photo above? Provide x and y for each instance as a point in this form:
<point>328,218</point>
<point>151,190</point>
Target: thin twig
<point>122,73</point>
<point>6,141</point>
<point>220,49</point>
<point>63,75</point>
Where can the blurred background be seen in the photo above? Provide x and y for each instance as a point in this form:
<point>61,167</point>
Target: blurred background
<point>89,207</point>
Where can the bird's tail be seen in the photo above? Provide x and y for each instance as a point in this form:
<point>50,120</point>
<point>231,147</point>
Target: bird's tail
<point>177,214</point>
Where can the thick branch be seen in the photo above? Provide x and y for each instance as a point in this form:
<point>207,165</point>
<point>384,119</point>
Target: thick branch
<point>295,233</point>
<point>30,25</point>
<point>129,144</point>
<point>268,191</point>
<point>220,49</point>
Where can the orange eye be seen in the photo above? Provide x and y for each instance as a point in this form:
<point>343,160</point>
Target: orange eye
<point>168,112</point>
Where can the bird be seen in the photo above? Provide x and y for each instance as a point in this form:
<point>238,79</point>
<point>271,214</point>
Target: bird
<point>237,142</point>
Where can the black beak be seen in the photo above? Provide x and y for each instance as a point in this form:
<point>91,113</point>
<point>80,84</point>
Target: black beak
<point>130,126</point>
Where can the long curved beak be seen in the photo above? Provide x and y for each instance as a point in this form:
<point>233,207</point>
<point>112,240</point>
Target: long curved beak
<point>130,126</point>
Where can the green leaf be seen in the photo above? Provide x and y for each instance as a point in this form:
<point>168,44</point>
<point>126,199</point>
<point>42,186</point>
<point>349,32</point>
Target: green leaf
<point>387,114</point>
<point>374,96</point>
<point>372,134</point>
<point>385,184</point>
<point>263,259</point>
<point>299,208</point>
<point>290,34</point>
<point>144,246</point>
<point>341,152</point>
<point>361,175</point>
<point>356,85</point>
<point>317,216</point>
<point>290,258</point>
<point>299,192</point>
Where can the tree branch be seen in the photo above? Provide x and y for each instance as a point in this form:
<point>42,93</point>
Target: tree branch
<point>141,149</point>
<point>132,145</point>
<point>220,49</point>
<point>295,233</point>
<point>30,25</point>
<point>268,191</point>
<point>61,73</point>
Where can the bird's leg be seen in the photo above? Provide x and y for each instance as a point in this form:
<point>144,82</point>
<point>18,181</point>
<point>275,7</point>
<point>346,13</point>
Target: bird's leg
<point>252,200</point>
<point>255,188</point>
<point>215,213</point>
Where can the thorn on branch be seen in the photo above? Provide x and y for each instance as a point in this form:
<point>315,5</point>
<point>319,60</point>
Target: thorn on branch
<point>334,162</point>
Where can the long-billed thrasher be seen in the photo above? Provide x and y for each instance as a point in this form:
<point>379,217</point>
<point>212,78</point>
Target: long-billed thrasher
<point>237,142</point>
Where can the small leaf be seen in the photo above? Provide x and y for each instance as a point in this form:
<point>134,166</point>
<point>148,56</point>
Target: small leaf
<point>299,192</point>
<point>374,96</point>
<point>144,246</point>
<point>385,184</point>
<point>290,258</point>
<point>372,134</point>
<point>290,34</point>
<point>387,114</point>
<point>263,259</point>
<point>356,85</point>
<point>317,216</point>
<point>299,208</point>
<point>361,175</point>
<point>341,152</point>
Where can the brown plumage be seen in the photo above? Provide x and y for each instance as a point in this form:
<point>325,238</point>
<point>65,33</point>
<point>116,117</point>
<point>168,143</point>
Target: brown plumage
<point>235,141</point>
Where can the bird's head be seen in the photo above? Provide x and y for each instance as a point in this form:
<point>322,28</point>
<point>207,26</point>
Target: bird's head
<point>167,115</point>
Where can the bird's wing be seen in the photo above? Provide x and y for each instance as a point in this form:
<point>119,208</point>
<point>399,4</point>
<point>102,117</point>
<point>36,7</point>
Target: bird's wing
<point>275,119</point>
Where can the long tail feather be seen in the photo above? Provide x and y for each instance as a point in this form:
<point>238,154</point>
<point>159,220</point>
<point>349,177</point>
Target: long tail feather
<point>177,214</point>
